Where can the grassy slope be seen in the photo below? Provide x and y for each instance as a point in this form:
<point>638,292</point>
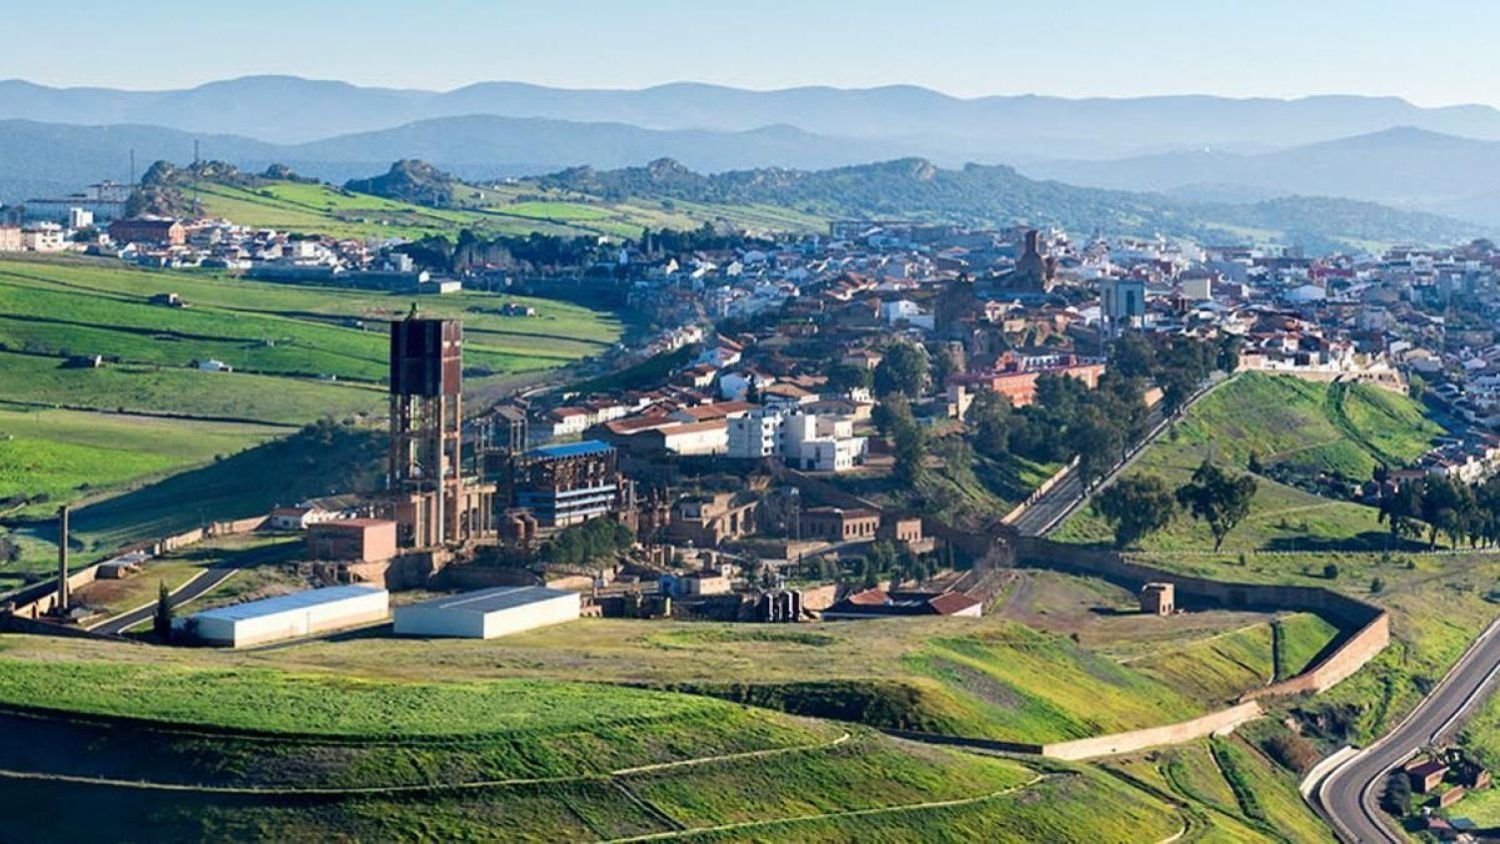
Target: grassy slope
<point>1314,427</point>
<point>67,455</point>
<point>32,379</point>
<point>989,678</point>
<point>1191,773</point>
<point>347,731</point>
<point>497,210</point>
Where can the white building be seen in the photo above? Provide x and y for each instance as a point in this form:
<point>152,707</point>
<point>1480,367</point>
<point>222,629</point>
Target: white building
<point>805,441</point>
<point>906,311</point>
<point>289,616</point>
<point>488,613</point>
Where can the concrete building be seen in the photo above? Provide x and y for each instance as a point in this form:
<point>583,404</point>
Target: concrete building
<point>1122,303</point>
<point>43,237</point>
<point>290,616</point>
<point>10,239</point>
<point>1158,599</point>
<point>162,232</point>
<point>836,524</point>
<point>352,540</point>
<point>488,613</point>
<point>707,520</point>
<point>804,441</point>
<point>570,484</point>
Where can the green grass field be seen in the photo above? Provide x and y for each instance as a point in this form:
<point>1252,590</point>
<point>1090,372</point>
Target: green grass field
<point>988,678</point>
<point>1206,781</point>
<point>494,759</point>
<point>30,380</point>
<point>62,455</point>
<point>323,209</point>
<point>1340,429</point>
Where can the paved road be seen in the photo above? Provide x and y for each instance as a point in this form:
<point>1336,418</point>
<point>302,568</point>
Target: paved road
<point>1350,796</point>
<point>211,578</point>
<point>1068,495</point>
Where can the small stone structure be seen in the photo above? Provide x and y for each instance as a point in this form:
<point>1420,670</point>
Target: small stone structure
<point>1158,599</point>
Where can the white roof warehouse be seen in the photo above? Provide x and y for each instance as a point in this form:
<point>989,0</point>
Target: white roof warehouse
<point>488,613</point>
<point>291,616</point>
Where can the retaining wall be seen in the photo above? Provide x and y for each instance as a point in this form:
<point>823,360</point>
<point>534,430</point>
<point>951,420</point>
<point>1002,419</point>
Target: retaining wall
<point>1215,722</point>
<point>1370,624</point>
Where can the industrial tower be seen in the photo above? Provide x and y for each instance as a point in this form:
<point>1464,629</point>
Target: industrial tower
<point>435,504</point>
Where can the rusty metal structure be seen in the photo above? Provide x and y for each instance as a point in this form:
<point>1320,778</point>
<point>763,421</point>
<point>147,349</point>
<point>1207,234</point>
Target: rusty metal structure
<point>436,503</point>
<point>64,589</point>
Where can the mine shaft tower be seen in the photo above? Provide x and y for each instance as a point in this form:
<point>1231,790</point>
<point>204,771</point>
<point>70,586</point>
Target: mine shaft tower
<point>435,504</point>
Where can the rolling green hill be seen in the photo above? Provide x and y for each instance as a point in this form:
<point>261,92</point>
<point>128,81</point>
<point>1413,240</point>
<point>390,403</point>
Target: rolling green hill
<point>1287,423</point>
<point>979,195</point>
<point>499,209</point>
<point>195,747</point>
<point>114,436</point>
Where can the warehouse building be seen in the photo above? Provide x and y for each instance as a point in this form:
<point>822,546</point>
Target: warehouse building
<point>488,613</point>
<point>290,616</point>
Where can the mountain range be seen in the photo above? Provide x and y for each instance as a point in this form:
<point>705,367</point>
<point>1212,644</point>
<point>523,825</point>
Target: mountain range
<point>1403,166</point>
<point>1202,149</point>
<point>292,110</point>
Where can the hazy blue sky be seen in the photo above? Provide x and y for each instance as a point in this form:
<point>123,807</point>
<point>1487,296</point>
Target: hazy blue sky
<point>1432,51</point>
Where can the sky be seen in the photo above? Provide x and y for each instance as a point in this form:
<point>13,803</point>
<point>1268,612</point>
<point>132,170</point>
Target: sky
<point>1432,52</point>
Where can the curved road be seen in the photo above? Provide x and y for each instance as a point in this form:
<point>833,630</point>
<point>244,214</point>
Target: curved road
<point>210,578</point>
<point>1350,795</point>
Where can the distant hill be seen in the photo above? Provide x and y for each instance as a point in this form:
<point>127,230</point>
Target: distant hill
<point>39,158</point>
<point>997,195</point>
<point>291,110</point>
<point>1403,166</point>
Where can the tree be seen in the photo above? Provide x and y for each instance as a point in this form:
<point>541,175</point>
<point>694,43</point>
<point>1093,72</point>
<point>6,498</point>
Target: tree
<point>1218,499</point>
<point>1098,441</point>
<point>1136,507</point>
<point>1401,509</point>
<point>1132,356</point>
<point>942,366</point>
<point>902,370</point>
<point>1396,799</point>
<point>1254,465</point>
<point>989,417</point>
<point>1330,571</point>
<point>844,378</point>
<point>910,449</point>
<point>161,620</point>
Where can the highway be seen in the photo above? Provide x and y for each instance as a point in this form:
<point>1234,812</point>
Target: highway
<point>1350,795</point>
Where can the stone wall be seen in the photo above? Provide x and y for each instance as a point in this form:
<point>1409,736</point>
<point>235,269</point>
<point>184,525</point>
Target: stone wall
<point>1367,625</point>
<point>1128,742</point>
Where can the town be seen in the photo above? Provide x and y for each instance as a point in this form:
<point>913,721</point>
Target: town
<point>765,429</point>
